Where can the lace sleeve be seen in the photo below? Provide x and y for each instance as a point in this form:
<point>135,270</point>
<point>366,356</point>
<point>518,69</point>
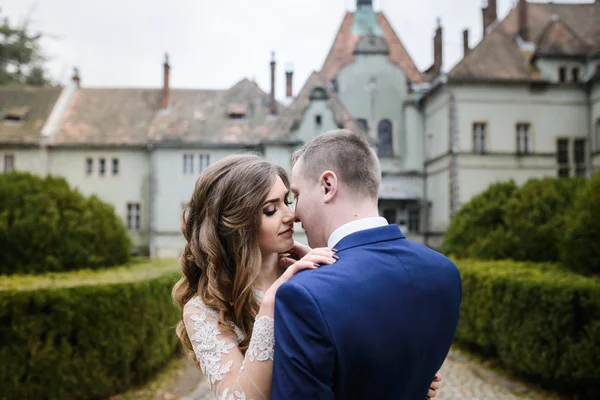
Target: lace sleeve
<point>230,375</point>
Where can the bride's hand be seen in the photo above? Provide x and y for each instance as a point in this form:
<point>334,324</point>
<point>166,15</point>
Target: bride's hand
<point>311,260</point>
<point>298,251</point>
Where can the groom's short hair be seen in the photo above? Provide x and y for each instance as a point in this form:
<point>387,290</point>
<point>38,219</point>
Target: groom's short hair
<point>345,153</point>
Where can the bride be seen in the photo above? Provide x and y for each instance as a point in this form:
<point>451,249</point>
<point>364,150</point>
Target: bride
<point>237,225</point>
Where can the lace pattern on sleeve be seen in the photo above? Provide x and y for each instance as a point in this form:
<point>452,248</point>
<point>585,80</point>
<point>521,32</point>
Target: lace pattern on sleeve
<point>229,374</point>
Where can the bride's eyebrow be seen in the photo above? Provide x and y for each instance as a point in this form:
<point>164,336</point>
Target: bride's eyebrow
<point>271,201</point>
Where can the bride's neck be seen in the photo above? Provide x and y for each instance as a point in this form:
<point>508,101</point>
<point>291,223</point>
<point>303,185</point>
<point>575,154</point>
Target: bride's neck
<point>269,271</point>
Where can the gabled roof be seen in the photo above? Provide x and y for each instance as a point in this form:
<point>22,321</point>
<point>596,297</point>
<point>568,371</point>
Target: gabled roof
<point>134,117</point>
<point>31,105</point>
<point>559,39</point>
<point>499,56</point>
<point>293,115</point>
<point>342,49</point>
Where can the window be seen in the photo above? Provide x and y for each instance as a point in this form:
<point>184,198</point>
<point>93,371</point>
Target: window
<point>115,166</point>
<point>89,166</point>
<point>575,73</point>
<point>562,157</point>
<point>9,163</point>
<point>523,146</point>
<point>318,121</point>
<point>579,157</point>
<point>384,134</point>
<point>133,216</point>
<point>102,166</point>
<point>363,124</point>
<point>390,215</point>
<point>414,220</point>
<point>204,162</point>
<point>562,74</point>
<point>479,137</point>
<point>188,163</point>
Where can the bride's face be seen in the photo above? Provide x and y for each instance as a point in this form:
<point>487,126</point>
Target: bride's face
<point>277,221</point>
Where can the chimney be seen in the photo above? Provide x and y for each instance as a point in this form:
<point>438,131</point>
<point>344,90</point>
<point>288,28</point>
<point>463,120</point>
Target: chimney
<point>523,20</point>
<point>166,91</point>
<point>289,74</point>
<point>76,78</point>
<point>466,48</point>
<point>490,15</point>
<point>437,48</point>
<point>272,103</point>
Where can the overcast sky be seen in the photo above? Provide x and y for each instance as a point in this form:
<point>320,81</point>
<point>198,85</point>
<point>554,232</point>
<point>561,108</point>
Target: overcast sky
<point>215,43</point>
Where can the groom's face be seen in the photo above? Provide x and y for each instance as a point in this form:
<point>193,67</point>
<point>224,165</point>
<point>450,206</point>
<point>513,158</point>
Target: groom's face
<point>309,206</point>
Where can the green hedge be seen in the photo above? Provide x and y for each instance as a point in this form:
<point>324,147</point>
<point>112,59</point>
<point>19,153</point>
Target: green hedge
<point>540,320</point>
<point>524,223</point>
<point>580,248</point>
<point>87,335</point>
<point>47,226</point>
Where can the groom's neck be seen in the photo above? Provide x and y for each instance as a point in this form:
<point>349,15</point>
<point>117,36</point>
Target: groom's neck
<point>347,212</point>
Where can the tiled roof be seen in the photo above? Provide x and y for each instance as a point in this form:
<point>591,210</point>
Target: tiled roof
<point>133,117</point>
<point>293,115</point>
<point>33,105</point>
<point>341,52</point>
<point>109,116</point>
<point>567,28</point>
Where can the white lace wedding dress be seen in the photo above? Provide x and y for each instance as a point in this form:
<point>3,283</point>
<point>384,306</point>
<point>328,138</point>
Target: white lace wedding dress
<point>231,375</point>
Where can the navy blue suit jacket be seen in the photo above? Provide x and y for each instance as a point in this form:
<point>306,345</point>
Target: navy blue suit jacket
<point>377,324</point>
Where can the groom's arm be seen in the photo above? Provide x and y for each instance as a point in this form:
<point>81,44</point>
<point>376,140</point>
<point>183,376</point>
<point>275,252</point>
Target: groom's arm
<point>304,355</point>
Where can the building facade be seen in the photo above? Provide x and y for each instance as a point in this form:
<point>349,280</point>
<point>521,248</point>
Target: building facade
<point>523,103</point>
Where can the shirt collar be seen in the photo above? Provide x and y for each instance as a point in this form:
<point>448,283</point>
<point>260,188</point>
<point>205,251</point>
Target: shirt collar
<point>355,226</point>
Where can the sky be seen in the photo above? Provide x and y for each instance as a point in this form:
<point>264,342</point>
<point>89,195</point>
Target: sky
<point>212,44</point>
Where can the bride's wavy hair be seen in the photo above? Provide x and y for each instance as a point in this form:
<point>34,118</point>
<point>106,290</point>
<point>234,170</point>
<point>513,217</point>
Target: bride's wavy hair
<point>222,259</point>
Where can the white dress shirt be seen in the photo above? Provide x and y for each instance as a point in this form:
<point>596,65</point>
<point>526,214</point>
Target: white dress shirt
<point>355,226</point>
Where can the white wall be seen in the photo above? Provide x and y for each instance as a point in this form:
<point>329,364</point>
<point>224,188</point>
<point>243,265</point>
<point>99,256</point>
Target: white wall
<point>373,88</point>
<point>173,188</point>
<point>552,114</point>
<point>308,129</point>
<point>130,185</point>
<point>549,69</point>
<point>438,193</point>
<point>26,160</point>
<point>280,155</point>
<point>437,125</point>
<point>477,172</point>
<point>595,98</point>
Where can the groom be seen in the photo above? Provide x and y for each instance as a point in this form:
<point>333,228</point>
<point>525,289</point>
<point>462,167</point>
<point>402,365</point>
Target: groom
<point>379,322</point>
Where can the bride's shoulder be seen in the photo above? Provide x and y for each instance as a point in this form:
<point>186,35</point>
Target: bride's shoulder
<point>195,305</point>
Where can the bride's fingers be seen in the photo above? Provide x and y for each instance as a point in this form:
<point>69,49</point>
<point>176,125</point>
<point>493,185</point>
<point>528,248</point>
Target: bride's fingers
<point>321,259</point>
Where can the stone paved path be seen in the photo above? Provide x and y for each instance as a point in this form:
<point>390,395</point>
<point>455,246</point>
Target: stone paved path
<point>462,379</point>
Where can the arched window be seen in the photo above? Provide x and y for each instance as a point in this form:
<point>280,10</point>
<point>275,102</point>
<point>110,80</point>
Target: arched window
<point>384,134</point>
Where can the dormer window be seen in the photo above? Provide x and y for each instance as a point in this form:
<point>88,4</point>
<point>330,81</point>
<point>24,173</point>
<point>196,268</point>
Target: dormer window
<point>562,74</point>
<point>236,111</point>
<point>15,116</point>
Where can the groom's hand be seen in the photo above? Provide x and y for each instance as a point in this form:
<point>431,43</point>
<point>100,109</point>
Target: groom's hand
<point>435,386</point>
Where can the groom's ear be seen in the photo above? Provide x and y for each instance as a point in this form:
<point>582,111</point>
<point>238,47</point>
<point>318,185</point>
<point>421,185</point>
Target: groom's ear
<point>329,185</point>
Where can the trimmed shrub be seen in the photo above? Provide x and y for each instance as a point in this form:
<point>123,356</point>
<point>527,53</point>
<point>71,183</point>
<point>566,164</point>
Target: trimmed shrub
<point>47,226</point>
<point>580,249</point>
<point>481,217</point>
<point>66,341</point>
<point>541,321</point>
<point>535,217</point>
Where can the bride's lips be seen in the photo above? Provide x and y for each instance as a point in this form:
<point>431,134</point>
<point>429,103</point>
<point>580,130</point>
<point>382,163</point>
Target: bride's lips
<point>288,233</point>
